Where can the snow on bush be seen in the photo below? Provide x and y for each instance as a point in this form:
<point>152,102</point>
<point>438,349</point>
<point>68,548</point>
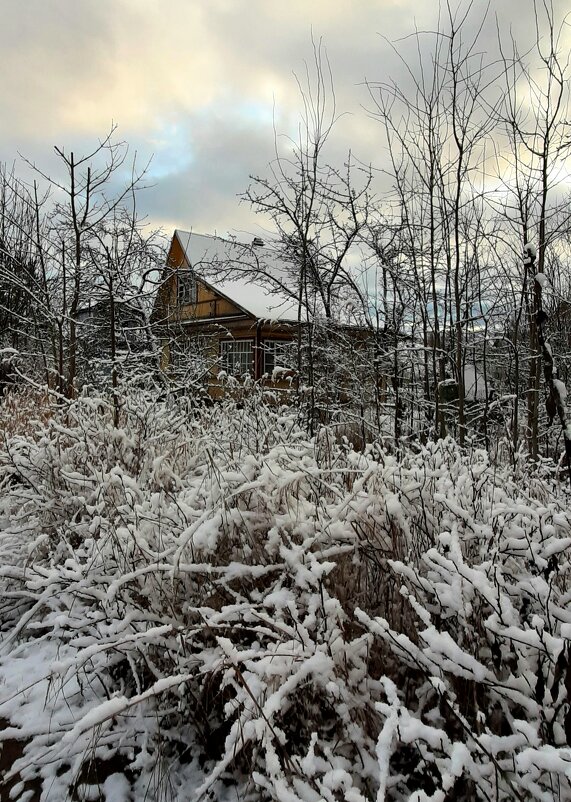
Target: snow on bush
<point>205,604</point>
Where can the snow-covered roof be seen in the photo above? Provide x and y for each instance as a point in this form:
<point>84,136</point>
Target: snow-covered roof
<point>251,276</point>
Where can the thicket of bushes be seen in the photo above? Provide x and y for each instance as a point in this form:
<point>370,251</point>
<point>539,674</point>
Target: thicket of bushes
<point>203,603</point>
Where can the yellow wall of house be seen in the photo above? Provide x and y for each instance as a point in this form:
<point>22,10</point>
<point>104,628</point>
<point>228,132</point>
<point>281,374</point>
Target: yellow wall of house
<point>208,304</point>
<point>208,309</point>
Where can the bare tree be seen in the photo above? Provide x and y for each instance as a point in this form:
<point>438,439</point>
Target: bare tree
<point>536,123</point>
<point>66,247</point>
<point>320,214</point>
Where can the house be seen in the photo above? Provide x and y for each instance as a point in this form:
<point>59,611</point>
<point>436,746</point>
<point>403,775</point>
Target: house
<point>224,309</point>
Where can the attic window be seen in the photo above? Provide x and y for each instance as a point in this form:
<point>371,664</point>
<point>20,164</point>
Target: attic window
<point>185,287</point>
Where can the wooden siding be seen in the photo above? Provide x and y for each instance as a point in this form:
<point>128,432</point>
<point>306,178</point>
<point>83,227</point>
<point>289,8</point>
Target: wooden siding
<point>209,304</point>
<point>212,318</point>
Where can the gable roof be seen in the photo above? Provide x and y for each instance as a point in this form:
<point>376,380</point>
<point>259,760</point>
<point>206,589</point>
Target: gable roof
<point>251,276</point>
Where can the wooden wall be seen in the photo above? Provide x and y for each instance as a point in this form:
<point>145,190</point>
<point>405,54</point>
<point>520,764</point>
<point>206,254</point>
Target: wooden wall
<point>212,317</point>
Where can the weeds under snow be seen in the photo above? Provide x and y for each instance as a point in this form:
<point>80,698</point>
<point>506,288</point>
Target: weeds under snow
<point>205,604</point>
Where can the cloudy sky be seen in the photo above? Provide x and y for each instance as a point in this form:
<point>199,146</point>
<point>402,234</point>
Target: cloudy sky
<point>199,85</point>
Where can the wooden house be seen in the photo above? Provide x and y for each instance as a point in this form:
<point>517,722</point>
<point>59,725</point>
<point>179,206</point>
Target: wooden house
<point>224,310</point>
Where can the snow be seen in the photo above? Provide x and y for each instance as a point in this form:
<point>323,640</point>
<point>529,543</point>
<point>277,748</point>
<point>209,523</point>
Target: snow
<point>253,277</point>
<point>116,788</point>
<point>529,253</point>
<point>222,577</point>
<point>542,280</point>
<point>560,389</point>
<point>104,712</point>
<point>280,373</point>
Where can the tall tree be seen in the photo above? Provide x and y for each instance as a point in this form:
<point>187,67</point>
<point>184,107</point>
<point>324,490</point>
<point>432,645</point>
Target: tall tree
<point>67,244</point>
<point>536,121</point>
<point>435,133</point>
<point>320,214</point>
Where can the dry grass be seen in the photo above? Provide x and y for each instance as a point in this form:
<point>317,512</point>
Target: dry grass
<point>23,411</point>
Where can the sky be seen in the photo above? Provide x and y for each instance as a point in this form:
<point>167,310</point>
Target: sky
<point>202,88</point>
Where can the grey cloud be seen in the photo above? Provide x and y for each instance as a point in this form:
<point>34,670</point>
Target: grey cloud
<point>49,51</point>
<point>198,84</point>
<point>204,194</point>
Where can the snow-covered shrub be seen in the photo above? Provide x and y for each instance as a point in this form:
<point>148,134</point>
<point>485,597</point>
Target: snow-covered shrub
<point>181,560</point>
<point>205,603</point>
<point>488,660</point>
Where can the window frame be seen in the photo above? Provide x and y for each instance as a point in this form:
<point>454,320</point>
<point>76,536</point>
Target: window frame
<point>271,352</point>
<point>225,349</point>
<point>186,287</point>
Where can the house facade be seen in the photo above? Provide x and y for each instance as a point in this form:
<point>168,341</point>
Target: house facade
<point>223,313</point>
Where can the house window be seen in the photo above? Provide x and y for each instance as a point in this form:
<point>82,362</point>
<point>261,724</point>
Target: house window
<point>236,356</point>
<point>185,287</point>
<point>277,353</point>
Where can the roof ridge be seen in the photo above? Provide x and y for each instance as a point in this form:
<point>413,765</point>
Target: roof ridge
<point>240,243</point>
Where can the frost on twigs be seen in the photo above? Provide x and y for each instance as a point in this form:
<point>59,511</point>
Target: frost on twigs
<point>204,604</point>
